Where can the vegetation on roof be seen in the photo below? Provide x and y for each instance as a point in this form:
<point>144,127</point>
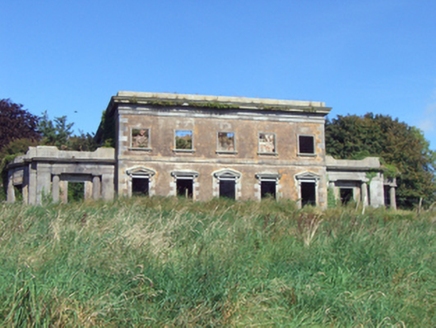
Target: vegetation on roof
<point>212,104</point>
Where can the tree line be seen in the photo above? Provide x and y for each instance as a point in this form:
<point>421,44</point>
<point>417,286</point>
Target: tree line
<point>402,149</point>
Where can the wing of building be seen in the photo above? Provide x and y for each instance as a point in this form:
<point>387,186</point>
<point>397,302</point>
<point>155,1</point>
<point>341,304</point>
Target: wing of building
<point>204,147</point>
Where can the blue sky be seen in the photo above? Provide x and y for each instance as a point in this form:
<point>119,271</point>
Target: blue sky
<point>70,57</point>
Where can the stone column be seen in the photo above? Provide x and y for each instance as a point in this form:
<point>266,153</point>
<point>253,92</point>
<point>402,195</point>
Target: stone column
<point>332,188</point>
<point>88,190</point>
<point>364,193</point>
<point>32,183</point>
<point>55,188</point>
<point>63,186</point>
<point>96,187</point>
<point>43,184</point>
<point>25,190</point>
<point>107,187</point>
<point>11,190</point>
<point>392,198</point>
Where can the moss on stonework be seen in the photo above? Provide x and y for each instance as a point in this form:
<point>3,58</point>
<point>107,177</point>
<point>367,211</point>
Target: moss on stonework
<point>215,105</point>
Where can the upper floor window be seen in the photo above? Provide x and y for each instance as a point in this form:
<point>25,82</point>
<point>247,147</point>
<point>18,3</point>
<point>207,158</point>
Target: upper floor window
<point>306,145</point>
<point>183,140</point>
<point>267,143</point>
<point>226,142</point>
<point>140,138</point>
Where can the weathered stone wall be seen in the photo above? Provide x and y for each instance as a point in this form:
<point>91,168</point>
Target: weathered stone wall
<point>205,158</point>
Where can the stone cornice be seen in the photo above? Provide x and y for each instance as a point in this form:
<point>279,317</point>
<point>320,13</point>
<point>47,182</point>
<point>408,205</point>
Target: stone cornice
<point>220,103</point>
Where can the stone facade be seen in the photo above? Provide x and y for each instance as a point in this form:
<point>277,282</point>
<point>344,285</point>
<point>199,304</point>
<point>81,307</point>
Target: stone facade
<point>246,145</point>
<point>203,147</point>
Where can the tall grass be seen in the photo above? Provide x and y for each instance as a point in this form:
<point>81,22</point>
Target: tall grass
<point>165,261</point>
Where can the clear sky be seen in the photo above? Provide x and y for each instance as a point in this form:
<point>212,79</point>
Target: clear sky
<point>70,57</point>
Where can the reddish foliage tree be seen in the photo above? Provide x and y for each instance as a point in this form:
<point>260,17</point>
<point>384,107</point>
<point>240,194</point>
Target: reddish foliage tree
<point>16,123</point>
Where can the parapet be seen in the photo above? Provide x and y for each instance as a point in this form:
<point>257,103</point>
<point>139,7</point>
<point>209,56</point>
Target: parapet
<point>365,164</point>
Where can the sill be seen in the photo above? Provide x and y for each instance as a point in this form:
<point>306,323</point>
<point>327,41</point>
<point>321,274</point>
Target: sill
<point>140,149</point>
<point>306,155</point>
<point>184,150</point>
<point>225,152</point>
<point>268,154</point>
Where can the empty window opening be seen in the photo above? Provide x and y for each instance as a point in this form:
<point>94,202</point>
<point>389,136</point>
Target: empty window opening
<point>140,186</point>
<point>76,191</point>
<point>227,189</point>
<point>226,141</point>
<point>308,193</point>
<point>346,195</point>
<point>184,188</point>
<point>267,143</point>
<point>140,138</point>
<point>267,189</point>
<point>306,145</point>
<point>183,140</point>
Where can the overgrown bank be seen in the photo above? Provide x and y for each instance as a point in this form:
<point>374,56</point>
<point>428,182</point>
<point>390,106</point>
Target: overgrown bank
<point>156,262</point>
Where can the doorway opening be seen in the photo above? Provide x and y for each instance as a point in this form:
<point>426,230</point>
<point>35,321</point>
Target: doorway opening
<point>76,191</point>
<point>346,195</point>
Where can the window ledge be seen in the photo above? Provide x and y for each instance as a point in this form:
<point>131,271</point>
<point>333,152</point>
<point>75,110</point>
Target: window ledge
<point>306,155</point>
<point>184,150</point>
<point>140,149</point>
<point>268,154</point>
<point>226,152</point>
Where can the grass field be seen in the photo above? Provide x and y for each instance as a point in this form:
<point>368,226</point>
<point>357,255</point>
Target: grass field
<point>170,262</point>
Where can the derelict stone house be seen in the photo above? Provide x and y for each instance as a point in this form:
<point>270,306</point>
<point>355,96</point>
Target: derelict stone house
<point>204,147</point>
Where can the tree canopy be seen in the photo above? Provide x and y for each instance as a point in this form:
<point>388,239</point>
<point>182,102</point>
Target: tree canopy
<point>399,145</point>
<point>16,123</point>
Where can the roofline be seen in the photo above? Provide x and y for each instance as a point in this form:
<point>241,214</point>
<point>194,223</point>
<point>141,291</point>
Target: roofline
<point>218,102</point>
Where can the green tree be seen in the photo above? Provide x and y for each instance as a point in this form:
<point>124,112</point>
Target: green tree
<point>82,142</point>
<point>398,145</point>
<point>57,133</point>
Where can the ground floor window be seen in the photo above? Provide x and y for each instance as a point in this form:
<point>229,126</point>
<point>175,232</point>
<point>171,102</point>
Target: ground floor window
<point>226,182</point>
<point>268,184</point>
<point>141,181</point>
<point>227,189</point>
<point>184,188</point>
<point>184,183</point>
<point>346,195</point>
<point>268,189</point>
<point>308,193</point>
<point>140,186</point>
